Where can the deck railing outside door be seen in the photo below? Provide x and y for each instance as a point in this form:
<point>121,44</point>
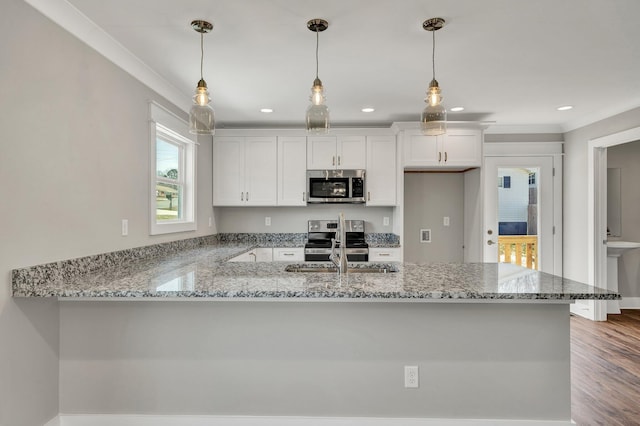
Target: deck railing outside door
<point>519,249</point>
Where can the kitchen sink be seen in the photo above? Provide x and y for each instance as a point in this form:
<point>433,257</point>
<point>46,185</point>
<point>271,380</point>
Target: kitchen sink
<point>376,269</point>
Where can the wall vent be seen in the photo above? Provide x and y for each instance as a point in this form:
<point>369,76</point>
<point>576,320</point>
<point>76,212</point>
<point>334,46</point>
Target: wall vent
<point>425,235</point>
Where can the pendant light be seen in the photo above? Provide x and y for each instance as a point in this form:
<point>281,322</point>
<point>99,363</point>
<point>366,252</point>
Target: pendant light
<point>201,116</point>
<point>434,116</point>
<point>317,112</point>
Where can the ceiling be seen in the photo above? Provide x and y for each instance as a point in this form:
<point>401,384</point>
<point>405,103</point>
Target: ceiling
<point>512,62</point>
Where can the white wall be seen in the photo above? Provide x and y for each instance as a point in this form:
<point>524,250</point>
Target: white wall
<point>575,250</point>
<point>627,158</point>
<point>294,219</point>
<point>73,163</point>
<point>428,198</point>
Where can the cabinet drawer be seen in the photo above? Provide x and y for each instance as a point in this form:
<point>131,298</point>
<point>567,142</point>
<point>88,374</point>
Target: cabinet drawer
<point>382,254</point>
<point>295,254</point>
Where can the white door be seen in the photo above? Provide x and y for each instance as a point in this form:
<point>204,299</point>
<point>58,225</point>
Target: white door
<point>381,171</point>
<point>521,209</point>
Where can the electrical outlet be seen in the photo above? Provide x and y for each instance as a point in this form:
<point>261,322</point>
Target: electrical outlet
<point>210,221</point>
<point>125,227</point>
<point>385,221</point>
<point>411,376</point>
<point>446,221</point>
<point>267,221</point>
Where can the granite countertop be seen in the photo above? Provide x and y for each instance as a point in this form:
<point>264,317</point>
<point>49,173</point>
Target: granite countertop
<point>203,272</point>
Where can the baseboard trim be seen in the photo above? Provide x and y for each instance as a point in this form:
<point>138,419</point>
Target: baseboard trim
<point>630,303</point>
<point>54,422</point>
<point>151,420</point>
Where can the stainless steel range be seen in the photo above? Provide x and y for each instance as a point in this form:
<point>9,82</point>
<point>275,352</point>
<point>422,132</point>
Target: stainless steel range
<point>320,233</point>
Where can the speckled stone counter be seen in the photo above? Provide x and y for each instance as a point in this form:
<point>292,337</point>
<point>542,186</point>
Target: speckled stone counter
<point>202,272</point>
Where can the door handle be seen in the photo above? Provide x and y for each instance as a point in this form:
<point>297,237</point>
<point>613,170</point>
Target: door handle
<point>490,242</point>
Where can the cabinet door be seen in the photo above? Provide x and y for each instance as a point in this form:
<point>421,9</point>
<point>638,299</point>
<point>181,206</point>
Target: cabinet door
<point>228,171</point>
<point>260,171</point>
<point>351,152</point>
<point>292,171</point>
<point>295,254</point>
<point>382,254</point>
<point>462,148</point>
<point>420,150</point>
<point>321,152</point>
<point>381,171</point>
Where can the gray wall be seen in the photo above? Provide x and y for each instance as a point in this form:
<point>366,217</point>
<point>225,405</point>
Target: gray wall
<point>315,359</point>
<point>73,163</point>
<point>627,157</point>
<point>428,198</point>
<point>575,247</point>
<point>294,219</point>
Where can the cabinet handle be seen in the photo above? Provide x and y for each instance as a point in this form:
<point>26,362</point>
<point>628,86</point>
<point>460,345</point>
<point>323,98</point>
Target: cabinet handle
<point>368,196</point>
<point>338,160</point>
<point>242,196</point>
<point>439,157</point>
<point>247,196</point>
<point>303,196</point>
<point>384,254</point>
<point>445,156</point>
<point>333,161</point>
<point>287,254</point>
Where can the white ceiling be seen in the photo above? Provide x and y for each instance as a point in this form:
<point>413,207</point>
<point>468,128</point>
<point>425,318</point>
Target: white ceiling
<point>509,61</point>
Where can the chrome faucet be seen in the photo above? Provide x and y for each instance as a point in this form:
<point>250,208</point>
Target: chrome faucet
<point>340,259</point>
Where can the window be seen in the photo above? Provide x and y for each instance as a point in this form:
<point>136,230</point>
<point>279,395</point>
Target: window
<point>504,182</point>
<point>172,187</point>
<point>532,178</point>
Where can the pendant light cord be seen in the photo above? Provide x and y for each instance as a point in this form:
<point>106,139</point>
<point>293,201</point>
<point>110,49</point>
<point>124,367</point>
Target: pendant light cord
<point>201,55</point>
<point>317,46</point>
<point>433,54</point>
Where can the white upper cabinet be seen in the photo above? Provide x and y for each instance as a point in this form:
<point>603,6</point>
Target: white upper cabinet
<point>458,148</point>
<point>244,171</point>
<point>381,171</point>
<point>331,152</point>
<point>292,170</point>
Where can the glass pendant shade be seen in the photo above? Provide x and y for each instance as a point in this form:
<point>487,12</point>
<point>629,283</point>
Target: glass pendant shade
<point>434,117</point>
<point>317,113</point>
<point>201,116</point>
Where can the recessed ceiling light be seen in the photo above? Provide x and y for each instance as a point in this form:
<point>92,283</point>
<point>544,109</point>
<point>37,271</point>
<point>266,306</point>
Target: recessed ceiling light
<point>368,109</point>
<point>457,109</point>
<point>266,110</point>
<point>565,108</point>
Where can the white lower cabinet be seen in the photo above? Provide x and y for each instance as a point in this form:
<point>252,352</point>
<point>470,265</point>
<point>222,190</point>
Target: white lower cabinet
<point>277,254</point>
<point>255,255</point>
<point>384,254</point>
<point>295,254</point>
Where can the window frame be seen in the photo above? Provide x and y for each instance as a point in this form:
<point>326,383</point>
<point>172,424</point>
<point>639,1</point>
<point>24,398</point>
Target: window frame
<point>172,129</point>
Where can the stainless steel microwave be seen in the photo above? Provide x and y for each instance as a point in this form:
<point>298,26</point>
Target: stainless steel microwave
<point>335,186</point>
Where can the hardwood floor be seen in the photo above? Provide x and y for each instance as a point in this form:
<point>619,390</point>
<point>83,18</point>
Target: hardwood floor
<point>605,370</point>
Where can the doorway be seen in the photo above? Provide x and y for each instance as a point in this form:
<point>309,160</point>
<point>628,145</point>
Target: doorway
<point>597,218</point>
<point>521,212</point>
